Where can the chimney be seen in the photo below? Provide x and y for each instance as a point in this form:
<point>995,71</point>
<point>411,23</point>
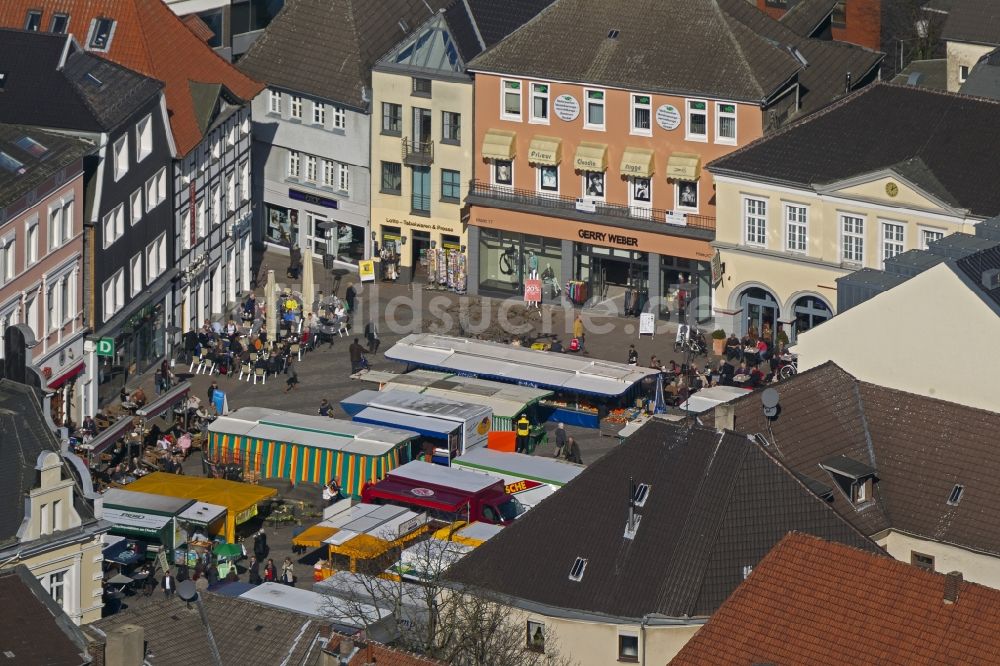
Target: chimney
<point>346,648</point>
<point>725,416</point>
<point>952,585</point>
<point>125,646</point>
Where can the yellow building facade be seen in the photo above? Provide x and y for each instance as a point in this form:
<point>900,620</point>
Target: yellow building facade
<point>421,156</point>
<point>781,249</point>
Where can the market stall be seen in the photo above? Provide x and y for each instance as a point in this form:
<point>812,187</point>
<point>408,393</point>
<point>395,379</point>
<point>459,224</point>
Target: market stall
<point>200,523</point>
<point>508,401</point>
<point>584,389</point>
<point>304,448</point>
<point>241,500</point>
<point>148,517</point>
<point>530,478</point>
<point>369,536</point>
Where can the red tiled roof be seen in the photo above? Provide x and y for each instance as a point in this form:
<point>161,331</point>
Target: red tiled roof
<point>816,602</point>
<point>149,38</point>
<point>372,652</point>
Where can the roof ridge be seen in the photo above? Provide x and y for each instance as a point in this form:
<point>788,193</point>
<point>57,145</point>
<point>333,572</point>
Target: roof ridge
<point>725,18</point>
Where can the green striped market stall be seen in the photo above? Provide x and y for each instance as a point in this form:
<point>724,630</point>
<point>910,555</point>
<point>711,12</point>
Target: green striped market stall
<point>312,449</point>
<point>508,401</point>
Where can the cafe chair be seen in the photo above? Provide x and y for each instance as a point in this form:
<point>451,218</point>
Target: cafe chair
<point>207,366</point>
<point>247,369</point>
<point>261,374</point>
<point>197,362</point>
<point>296,349</point>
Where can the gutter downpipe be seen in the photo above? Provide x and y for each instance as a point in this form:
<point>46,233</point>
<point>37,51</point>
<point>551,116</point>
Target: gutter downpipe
<point>642,634</point>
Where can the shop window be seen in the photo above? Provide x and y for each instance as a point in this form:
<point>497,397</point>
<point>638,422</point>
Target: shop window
<point>510,100</point>
<point>282,227</point>
<point>392,177</point>
<point>687,195</point>
<point>594,118</point>
<point>697,120</point>
<point>642,115</point>
<point>593,184</point>
<point>540,103</point>
<point>548,179</point>
<point>503,173</point>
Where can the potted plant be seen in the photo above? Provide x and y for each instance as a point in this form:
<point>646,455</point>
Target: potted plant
<point>718,342</point>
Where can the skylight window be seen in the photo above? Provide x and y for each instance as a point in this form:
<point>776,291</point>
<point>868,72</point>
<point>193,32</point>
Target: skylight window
<point>576,573</point>
<point>93,80</point>
<point>10,164</point>
<point>29,145</point>
<point>613,34</point>
<point>956,495</point>
<point>641,493</point>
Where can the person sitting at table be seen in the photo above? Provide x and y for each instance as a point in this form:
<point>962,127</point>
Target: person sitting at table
<point>763,349</point>
<point>733,348</point>
<point>756,377</point>
<point>139,397</point>
<point>216,329</point>
<point>88,425</point>
<point>726,372</point>
<point>231,329</point>
<point>250,307</point>
<point>742,376</point>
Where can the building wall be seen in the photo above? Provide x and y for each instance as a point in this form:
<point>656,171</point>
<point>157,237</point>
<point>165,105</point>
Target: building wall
<point>789,274</point>
<point>395,210</point>
<point>960,54</point>
<point>861,23</point>
<point>975,567</point>
<point>617,136</point>
<point>885,340</point>
<point>276,136</point>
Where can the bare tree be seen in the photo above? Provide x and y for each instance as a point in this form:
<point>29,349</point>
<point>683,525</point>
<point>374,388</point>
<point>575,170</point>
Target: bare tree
<point>422,615</point>
<point>909,32</point>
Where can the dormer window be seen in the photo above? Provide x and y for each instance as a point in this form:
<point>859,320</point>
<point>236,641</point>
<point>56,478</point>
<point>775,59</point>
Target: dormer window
<point>101,31</point>
<point>855,479</point>
<point>60,22</point>
<point>33,21</point>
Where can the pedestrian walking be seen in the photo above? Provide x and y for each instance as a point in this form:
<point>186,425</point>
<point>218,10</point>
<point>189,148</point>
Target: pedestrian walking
<point>633,355</point>
<point>573,451</point>
<point>260,547</point>
<point>324,407</point>
<point>169,584</point>
<point>351,295</point>
<point>560,440</point>
<point>270,572</point>
<point>288,572</point>
<point>523,433</point>
<point>371,334</point>
<point>253,572</point>
<point>357,353</point>
<point>578,330</point>
<point>293,376</point>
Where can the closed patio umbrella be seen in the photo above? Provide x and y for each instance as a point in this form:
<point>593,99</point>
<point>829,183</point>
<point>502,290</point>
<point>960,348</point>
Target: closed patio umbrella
<point>270,299</point>
<point>308,291</point>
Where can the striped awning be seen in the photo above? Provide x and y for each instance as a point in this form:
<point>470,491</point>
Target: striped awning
<point>499,145</point>
<point>684,166</point>
<point>591,156</point>
<point>637,162</point>
<point>545,150</point>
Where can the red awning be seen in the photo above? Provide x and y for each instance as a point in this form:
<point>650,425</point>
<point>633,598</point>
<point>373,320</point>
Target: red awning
<point>66,376</point>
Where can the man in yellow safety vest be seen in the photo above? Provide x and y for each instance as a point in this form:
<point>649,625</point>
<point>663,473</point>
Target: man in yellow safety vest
<point>523,430</point>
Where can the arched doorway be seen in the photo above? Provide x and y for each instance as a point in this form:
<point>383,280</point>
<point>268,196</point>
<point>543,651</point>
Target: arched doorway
<point>809,312</point>
<point>760,312</point>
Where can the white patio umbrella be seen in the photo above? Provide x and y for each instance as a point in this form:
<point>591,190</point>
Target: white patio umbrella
<point>271,303</point>
<point>308,288</point>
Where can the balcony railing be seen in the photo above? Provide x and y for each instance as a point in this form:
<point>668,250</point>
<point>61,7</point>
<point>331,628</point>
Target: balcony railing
<point>418,153</point>
<point>584,209</point>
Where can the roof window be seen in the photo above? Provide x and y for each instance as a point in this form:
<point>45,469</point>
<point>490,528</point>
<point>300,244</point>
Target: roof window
<point>404,26</point>
<point>640,494</point>
<point>576,573</point>
<point>60,22</point>
<point>33,21</point>
<point>30,146</point>
<point>10,164</point>
<point>956,495</point>
<point>613,34</point>
<point>101,31</point>
<point>92,80</point>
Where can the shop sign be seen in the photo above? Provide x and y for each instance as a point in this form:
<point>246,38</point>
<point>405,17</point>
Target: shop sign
<point>428,226</point>
<point>422,492</point>
<point>246,514</point>
<point>106,347</point>
<point>566,108</point>
<point>718,268</point>
<point>134,520</point>
<point>668,117</point>
<point>608,238</point>
<point>532,291</point>
<point>521,486</point>
<point>366,270</point>
<point>647,323</point>
<point>313,199</point>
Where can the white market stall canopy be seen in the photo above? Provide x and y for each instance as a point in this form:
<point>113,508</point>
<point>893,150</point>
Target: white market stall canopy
<point>202,513</point>
<point>316,431</point>
<point>515,466</point>
<point>386,522</point>
<point>518,365</point>
<point>414,403</point>
<point>709,398</point>
<point>506,400</point>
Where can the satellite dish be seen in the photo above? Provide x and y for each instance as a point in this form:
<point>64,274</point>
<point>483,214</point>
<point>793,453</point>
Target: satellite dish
<point>769,399</point>
<point>186,590</point>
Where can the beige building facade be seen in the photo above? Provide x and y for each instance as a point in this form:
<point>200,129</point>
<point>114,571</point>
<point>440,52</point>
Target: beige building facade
<point>421,155</point>
<point>783,248</point>
<point>961,58</point>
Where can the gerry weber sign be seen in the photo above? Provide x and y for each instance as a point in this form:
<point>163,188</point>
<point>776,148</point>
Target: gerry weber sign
<point>566,108</point>
<point>668,117</point>
<point>608,238</point>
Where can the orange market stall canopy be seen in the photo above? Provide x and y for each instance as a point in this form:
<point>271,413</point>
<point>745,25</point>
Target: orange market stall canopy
<point>240,499</point>
<point>312,449</point>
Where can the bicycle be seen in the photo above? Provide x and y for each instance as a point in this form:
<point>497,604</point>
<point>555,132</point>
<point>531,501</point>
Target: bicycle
<point>788,366</point>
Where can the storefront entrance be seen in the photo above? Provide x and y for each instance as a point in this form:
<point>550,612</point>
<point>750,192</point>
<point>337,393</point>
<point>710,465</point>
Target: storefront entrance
<point>421,244</point>
<point>620,277</point>
<point>760,313</point>
<point>810,311</point>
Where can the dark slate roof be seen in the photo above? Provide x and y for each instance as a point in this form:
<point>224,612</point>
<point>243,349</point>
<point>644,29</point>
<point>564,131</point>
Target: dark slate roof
<point>62,151</point>
<point>931,74</point>
<point>975,21</point>
<point>919,447</point>
<point>807,15</point>
<point>246,633</point>
<point>84,93</point>
<point>878,128</point>
<point>494,21</point>
<point>36,631</point>
<point>717,503</point>
<point>721,48</point>
<point>984,79</point>
<point>976,266</point>
<point>326,48</point>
